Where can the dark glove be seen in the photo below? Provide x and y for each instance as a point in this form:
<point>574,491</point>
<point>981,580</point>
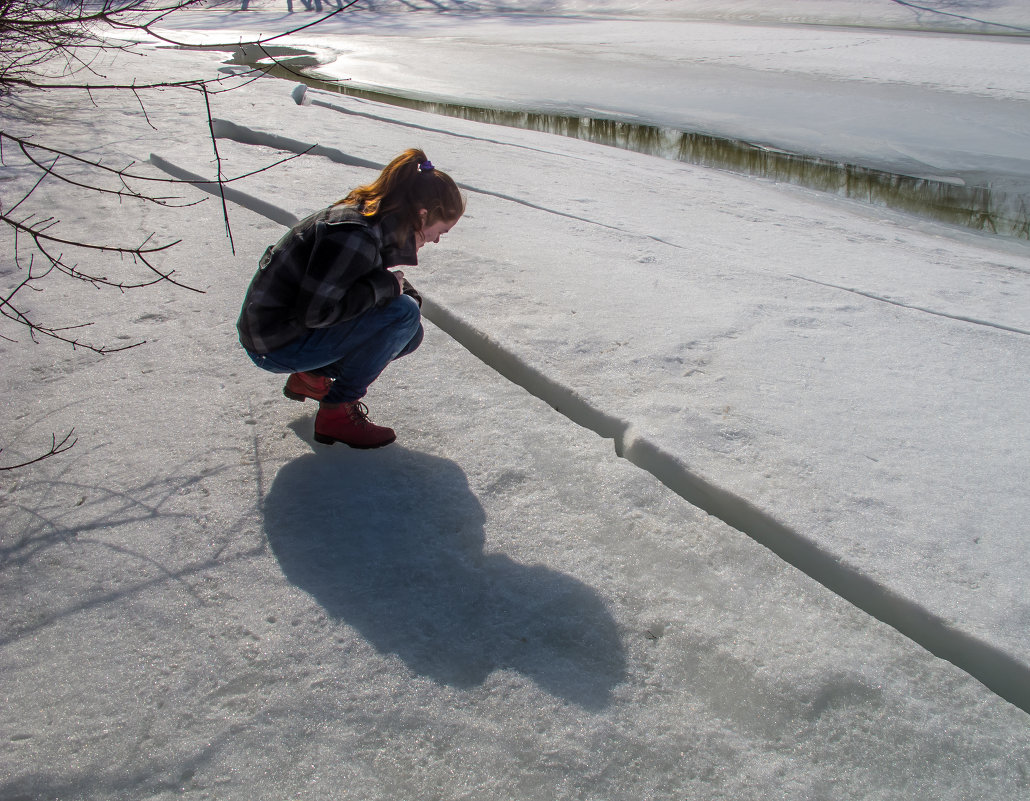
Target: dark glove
<point>412,292</point>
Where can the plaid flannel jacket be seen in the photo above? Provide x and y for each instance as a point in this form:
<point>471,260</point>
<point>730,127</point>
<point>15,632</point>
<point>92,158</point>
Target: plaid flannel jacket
<point>332,266</point>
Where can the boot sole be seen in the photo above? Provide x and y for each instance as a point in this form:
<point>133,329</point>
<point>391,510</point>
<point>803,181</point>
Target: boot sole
<point>324,439</point>
<point>299,397</point>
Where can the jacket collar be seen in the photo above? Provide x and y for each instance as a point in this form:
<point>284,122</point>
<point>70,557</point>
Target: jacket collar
<point>396,244</point>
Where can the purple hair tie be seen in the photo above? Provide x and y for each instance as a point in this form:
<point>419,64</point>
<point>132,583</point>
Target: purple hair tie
<point>426,166</point>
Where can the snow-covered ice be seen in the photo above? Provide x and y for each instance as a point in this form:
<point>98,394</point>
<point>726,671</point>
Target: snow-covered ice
<point>201,603</point>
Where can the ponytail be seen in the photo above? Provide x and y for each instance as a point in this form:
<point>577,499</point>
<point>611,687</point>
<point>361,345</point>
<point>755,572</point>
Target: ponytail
<point>407,185</point>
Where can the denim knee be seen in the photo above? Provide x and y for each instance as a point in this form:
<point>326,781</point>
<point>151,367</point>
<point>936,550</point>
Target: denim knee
<point>409,315</point>
<point>414,342</point>
<point>409,321</point>
<point>266,362</point>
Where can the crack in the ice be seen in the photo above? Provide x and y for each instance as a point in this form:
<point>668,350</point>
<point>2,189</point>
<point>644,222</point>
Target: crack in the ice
<point>872,296</point>
<point>930,10</point>
<point>996,669</point>
<point>999,671</point>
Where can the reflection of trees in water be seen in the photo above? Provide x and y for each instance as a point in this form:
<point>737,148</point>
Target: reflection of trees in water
<point>391,543</point>
<point>971,206</point>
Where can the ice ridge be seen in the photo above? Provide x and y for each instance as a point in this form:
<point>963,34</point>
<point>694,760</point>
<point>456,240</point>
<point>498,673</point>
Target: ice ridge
<point>224,129</point>
<point>272,212</point>
<point>993,667</point>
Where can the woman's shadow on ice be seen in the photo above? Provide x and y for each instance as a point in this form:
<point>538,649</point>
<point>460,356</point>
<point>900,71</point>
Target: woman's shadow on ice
<point>391,543</point>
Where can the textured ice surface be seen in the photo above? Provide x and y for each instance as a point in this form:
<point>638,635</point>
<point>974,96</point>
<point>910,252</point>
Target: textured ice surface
<point>199,604</point>
<point>802,358</point>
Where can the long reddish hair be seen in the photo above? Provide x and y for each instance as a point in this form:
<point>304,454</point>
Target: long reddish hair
<point>407,185</point>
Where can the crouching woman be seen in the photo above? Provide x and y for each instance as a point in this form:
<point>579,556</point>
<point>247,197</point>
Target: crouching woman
<point>326,306</point>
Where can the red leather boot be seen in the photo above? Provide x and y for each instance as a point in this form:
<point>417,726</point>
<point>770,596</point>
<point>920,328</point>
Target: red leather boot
<point>348,423</point>
<point>306,385</point>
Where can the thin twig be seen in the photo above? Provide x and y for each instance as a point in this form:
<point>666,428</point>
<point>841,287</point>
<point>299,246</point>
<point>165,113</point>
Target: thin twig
<point>127,192</point>
<point>218,165</point>
<point>36,234</point>
<point>135,176</point>
<point>143,108</point>
<point>55,448</point>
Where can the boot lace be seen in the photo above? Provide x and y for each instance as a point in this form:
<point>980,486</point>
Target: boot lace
<point>359,413</point>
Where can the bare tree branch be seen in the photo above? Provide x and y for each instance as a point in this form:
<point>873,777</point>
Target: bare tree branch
<point>149,28</point>
<point>123,172</point>
<point>218,163</point>
<point>55,448</point>
<point>43,46</point>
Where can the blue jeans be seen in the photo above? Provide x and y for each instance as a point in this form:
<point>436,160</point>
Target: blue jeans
<point>353,353</point>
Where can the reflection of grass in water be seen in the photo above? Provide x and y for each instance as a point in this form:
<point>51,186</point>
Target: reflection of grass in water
<point>976,207</point>
<point>1023,226</point>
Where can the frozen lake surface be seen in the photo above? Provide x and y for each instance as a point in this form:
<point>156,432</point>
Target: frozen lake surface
<point>944,107</point>
<point>204,604</point>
